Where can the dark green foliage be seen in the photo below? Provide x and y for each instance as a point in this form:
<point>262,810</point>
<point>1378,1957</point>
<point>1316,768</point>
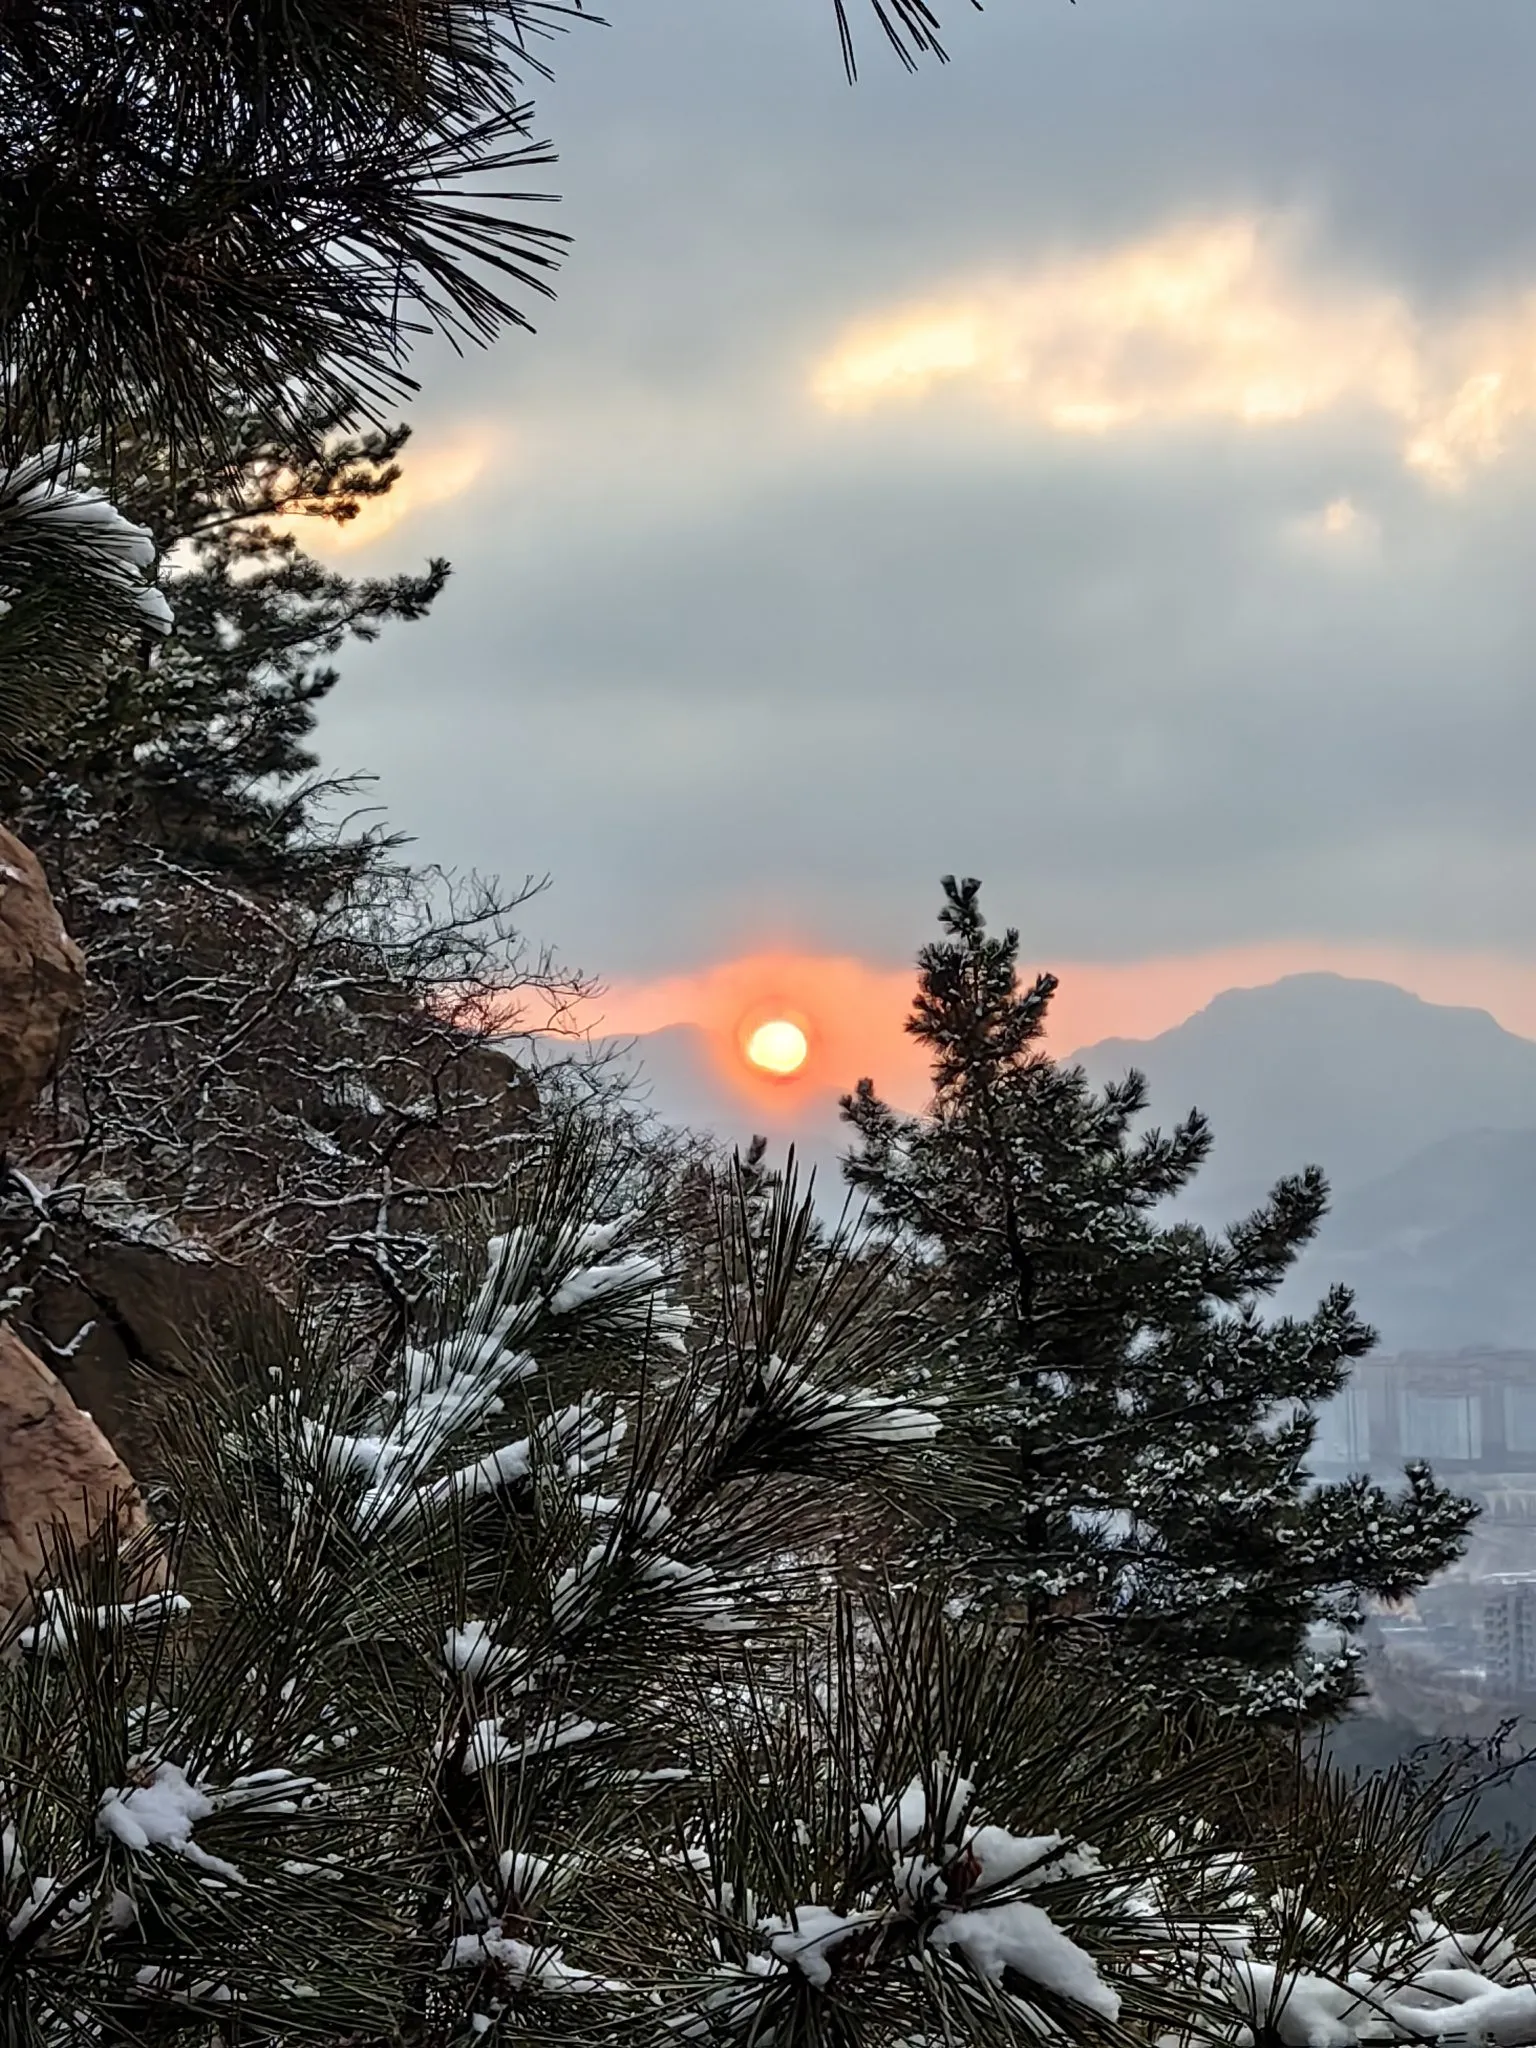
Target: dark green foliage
<point>200,745</point>
<point>217,215</point>
<point>204,206</point>
<point>287,1049</point>
<point>259,207</point>
<point>1147,1430</point>
<point>507,1695</point>
<point>72,596</point>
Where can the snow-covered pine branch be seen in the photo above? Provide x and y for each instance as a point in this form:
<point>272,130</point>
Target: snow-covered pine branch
<point>75,587</point>
<point>506,1689</point>
<point>58,533</point>
<point>476,1591</point>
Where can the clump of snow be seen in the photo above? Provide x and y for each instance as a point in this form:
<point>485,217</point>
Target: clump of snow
<point>543,1969</point>
<point>46,1895</point>
<point>854,1415</point>
<point>1017,1936</point>
<point>59,1616</point>
<point>806,1939</point>
<point>474,1651</point>
<point>903,1818</point>
<point>1029,1860</point>
<point>161,1814</point>
<point>111,548</point>
<point>161,1810</point>
<point>489,1747</point>
<point>696,1594</point>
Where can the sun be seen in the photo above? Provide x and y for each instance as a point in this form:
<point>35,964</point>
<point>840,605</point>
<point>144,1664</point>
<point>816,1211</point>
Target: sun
<point>778,1047</point>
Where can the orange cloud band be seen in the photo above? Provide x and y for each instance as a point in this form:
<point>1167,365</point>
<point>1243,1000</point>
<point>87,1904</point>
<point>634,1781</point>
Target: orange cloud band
<point>855,1011</point>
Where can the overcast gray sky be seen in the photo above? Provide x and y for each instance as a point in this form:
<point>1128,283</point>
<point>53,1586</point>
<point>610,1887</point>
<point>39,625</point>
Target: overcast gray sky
<point>1105,463</point>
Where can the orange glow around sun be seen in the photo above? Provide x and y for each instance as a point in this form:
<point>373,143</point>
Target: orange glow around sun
<point>777,1046</point>
<point>851,1013</point>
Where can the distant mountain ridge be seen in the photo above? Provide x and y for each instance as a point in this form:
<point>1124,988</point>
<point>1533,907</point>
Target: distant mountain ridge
<point>1442,1250</point>
<point>1423,1116</point>
<point>1319,1069</point>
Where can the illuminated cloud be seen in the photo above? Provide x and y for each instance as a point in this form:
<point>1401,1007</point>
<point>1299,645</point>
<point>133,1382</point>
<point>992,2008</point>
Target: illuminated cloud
<point>1339,531</point>
<point>852,1015</point>
<point>432,473</point>
<point>1205,321</point>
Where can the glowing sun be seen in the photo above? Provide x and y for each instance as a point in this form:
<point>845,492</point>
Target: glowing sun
<point>778,1047</point>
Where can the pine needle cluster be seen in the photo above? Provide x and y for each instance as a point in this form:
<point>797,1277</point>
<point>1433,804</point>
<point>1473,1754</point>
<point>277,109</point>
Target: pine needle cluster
<point>526,1684</point>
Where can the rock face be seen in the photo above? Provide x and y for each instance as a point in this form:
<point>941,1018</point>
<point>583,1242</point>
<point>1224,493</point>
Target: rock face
<point>60,1480</point>
<point>42,983</point>
<point>138,1329</point>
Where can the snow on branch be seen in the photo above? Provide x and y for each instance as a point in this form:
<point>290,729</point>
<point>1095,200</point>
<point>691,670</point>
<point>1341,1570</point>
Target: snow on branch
<point>49,527</point>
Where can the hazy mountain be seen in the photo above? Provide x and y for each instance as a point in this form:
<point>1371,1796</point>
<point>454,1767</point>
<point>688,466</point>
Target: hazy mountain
<point>1353,1076</point>
<point>1441,1251</point>
<point>1422,1115</point>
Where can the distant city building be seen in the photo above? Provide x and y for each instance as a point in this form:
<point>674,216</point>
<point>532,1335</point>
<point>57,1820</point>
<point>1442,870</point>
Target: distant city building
<point>1462,1412</point>
<point>1509,1631</point>
<point>1472,1416</point>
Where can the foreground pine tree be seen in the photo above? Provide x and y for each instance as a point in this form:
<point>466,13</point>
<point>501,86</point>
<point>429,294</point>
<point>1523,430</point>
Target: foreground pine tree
<point>517,1688</point>
<point>1147,1430</point>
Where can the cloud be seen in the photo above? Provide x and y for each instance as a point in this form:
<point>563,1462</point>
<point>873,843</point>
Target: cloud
<point>1339,531</point>
<point>1204,321</point>
<point>433,471</point>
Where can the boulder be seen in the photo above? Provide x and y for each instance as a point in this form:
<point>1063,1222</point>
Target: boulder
<point>60,1480</point>
<point>42,983</point>
<point>138,1328</point>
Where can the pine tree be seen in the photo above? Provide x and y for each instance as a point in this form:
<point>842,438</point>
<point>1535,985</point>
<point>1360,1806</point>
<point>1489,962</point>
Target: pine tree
<point>1147,1428</point>
<point>503,1693</point>
<point>288,1041</point>
<point>199,744</point>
